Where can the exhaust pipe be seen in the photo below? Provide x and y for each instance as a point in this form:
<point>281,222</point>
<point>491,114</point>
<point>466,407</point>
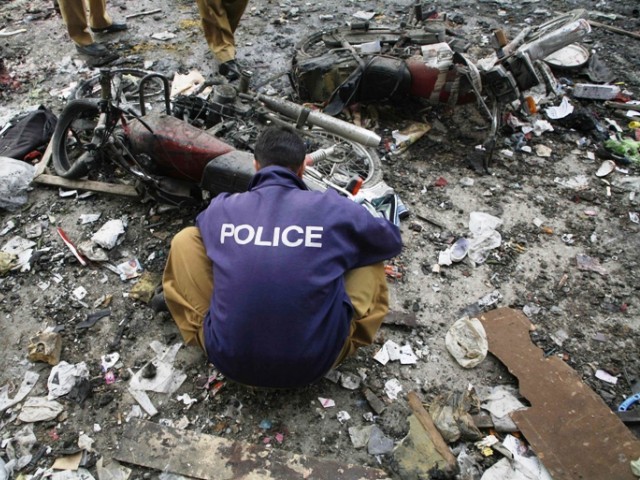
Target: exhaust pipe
<point>322,120</point>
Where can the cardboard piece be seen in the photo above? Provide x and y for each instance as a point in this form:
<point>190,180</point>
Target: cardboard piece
<point>68,462</point>
<point>208,457</point>
<point>569,427</point>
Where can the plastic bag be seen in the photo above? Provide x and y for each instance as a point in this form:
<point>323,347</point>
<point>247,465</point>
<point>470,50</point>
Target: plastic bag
<point>15,178</point>
<point>626,147</point>
<point>451,415</point>
<point>466,341</point>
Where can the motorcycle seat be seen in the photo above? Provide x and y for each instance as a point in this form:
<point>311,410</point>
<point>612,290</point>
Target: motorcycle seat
<point>231,172</point>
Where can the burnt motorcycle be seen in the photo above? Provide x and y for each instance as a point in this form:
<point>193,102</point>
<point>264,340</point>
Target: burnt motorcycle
<point>424,60</point>
<point>193,148</point>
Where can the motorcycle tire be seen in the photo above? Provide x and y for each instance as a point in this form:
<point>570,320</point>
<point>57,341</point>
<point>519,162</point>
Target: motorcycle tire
<point>319,43</point>
<point>124,86</point>
<point>74,130</point>
<point>348,159</point>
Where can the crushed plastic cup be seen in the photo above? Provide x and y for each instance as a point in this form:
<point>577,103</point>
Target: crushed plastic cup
<point>606,168</point>
<point>459,249</point>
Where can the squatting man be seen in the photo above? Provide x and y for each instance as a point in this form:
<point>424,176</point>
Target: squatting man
<point>280,284</point>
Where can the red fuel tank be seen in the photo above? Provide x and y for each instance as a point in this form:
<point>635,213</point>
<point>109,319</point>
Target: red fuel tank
<point>180,149</point>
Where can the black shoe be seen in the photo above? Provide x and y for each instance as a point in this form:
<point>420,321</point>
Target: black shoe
<point>158,303</point>
<point>93,50</point>
<point>113,28</point>
<point>230,70</point>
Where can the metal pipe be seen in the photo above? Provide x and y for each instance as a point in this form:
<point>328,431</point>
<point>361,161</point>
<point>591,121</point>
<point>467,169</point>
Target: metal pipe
<point>167,92</point>
<point>322,120</point>
<point>557,39</point>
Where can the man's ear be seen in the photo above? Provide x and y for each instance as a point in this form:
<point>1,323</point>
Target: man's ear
<point>256,165</point>
<point>300,171</point>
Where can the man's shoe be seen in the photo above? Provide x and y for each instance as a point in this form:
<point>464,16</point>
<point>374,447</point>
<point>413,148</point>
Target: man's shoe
<point>230,70</point>
<point>113,28</point>
<point>93,49</point>
<point>158,303</point>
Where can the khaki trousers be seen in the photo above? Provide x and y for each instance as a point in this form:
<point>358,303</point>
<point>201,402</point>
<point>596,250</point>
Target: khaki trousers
<point>220,18</point>
<point>188,285</point>
<point>74,15</point>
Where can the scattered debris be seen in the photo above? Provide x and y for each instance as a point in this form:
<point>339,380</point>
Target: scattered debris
<point>523,464</point>
<point>451,415</point>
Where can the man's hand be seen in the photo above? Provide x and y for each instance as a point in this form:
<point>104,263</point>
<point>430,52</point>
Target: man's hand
<point>308,160</point>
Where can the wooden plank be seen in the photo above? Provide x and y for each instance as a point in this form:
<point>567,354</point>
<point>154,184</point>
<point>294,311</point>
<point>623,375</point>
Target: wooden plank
<point>573,432</point>
<point>427,423</point>
<point>197,455</point>
<point>41,166</point>
<point>111,188</point>
<point>93,186</point>
<point>614,29</point>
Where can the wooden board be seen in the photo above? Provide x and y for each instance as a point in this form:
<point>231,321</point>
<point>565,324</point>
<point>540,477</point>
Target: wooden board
<point>573,432</point>
<point>53,180</point>
<point>198,455</point>
<point>111,188</point>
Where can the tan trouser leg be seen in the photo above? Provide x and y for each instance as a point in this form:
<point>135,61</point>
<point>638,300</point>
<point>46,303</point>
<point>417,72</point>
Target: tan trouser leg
<point>369,294</point>
<point>188,284</point>
<point>98,16</point>
<point>220,18</point>
<point>75,18</point>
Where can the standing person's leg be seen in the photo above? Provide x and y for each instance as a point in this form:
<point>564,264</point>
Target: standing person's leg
<point>235,9</point>
<point>98,16</point>
<point>75,18</point>
<point>369,294</point>
<point>188,284</point>
<point>217,29</point>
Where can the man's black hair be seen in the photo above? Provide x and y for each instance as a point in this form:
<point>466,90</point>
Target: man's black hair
<point>280,146</point>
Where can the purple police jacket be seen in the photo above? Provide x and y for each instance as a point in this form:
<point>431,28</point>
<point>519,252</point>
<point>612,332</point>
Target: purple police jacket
<point>279,313</point>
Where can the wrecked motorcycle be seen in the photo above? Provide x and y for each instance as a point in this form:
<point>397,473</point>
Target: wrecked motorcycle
<point>362,63</point>
<point>196,148</point>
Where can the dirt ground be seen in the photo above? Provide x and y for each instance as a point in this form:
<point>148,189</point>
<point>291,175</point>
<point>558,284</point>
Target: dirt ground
<point>589,318</point>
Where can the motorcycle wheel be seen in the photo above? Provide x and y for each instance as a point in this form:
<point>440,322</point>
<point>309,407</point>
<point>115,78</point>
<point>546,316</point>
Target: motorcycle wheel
<point>311,46</point>
<point>319,43</point>
<point>124,86</point>
<point>73,132</point>
<point>348,159</point>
